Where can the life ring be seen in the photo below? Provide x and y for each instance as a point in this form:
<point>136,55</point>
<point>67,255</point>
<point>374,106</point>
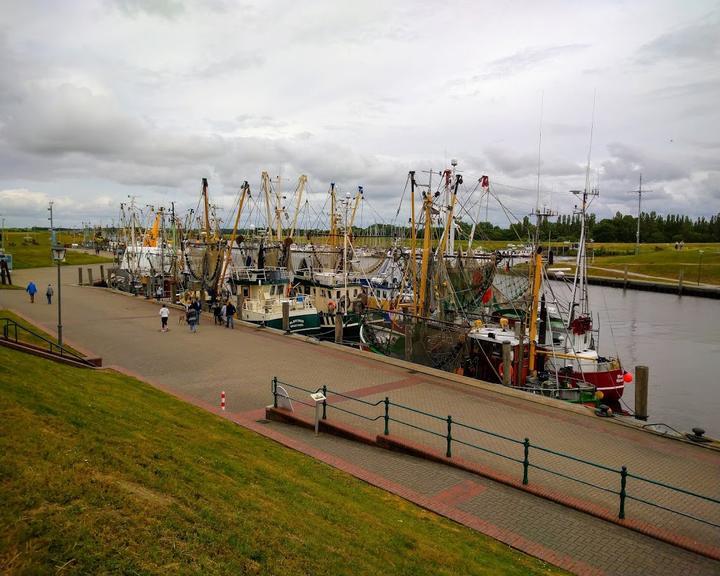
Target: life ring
<point>501,372</point>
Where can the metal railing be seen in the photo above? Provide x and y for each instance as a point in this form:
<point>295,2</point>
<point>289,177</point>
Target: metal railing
<point>450,425</point>
<point>13,331</point>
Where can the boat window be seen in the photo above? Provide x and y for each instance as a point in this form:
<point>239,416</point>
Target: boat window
<point>246,291</point>
<point>338,295</point>
<point>322,293</point>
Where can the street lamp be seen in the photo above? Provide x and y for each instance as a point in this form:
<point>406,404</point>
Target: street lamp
<point>700,266</point>
<point>58,255</point>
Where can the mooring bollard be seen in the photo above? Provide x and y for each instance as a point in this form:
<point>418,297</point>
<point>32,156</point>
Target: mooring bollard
<point>338,328</point>
<point>286,316</point>
<point>680,282</point>
<point>90,276</point>
<point>641,392</point>
<point>102,272</point>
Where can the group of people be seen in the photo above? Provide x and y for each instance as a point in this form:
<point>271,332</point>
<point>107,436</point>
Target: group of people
<point>224,314</point>
<point>32,290</point>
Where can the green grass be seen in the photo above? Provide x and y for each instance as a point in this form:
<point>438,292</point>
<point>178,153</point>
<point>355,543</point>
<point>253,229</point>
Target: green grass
<point>32,250</point>
<point>29,338</point>
<point>661,261</point>
<point>104,474</point>
<point>10,287</point>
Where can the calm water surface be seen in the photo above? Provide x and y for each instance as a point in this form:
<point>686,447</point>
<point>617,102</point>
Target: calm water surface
<point>678,339</point>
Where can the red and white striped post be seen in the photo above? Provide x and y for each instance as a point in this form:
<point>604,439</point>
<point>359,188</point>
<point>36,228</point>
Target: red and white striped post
<point>222,400</point>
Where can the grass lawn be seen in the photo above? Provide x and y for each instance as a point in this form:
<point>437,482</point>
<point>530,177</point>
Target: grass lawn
<point>104,474</point>
<point>32,250</point>
<point>28,338</point>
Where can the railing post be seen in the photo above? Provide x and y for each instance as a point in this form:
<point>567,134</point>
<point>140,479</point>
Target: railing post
<point>324,389</point>
<point>448,452</point>
<point>274,391</point>
<point>387,415</point>
<point>526,460</point>
<point>623,483</point>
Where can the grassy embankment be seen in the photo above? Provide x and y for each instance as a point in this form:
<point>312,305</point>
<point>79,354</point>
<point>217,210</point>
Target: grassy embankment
<point>104,474</point>
<point>32,250</point>
<point>29,338</point>
<point>661,261</point>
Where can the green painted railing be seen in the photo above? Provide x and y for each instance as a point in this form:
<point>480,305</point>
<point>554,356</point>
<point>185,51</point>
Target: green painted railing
<point>11,329</point>
<point>451,424</point>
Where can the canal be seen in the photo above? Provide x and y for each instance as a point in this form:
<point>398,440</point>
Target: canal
<point>678,338</point>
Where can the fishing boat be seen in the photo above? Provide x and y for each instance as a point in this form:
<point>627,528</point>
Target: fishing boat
<point>261,294</point>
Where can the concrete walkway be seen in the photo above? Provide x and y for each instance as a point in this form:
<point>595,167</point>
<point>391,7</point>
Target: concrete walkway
<point>125,332</point>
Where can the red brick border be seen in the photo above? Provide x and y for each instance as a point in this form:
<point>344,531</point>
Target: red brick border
<point>420,451</point>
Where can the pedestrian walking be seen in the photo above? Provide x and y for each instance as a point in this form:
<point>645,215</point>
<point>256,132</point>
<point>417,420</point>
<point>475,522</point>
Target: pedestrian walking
<point>164,315</point>
<point>217,312</point>
<point>229,314</point>
<point>49,293</point>
<point>31,289</point>
<point>195,305</point>
<point>159,293</point>
<point>192,317</point>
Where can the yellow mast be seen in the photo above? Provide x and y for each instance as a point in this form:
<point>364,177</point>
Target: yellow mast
<point>358,197</point>
<point>427,207</point>
<point>265,177</point>
<point>298,195</point>
<point>537,276</point>
<point>228,255</point>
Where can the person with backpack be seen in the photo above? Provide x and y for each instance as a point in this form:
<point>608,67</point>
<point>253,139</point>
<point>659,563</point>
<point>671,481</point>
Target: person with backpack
<point>229,313</point>
<point>49,293</point>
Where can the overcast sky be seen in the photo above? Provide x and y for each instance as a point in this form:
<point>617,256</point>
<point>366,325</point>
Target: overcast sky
<point>101,99</point>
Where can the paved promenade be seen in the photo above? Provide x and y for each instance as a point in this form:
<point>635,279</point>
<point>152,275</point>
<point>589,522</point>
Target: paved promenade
<point>125,332</point>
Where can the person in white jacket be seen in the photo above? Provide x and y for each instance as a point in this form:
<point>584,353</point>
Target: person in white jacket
<point>164,315</point>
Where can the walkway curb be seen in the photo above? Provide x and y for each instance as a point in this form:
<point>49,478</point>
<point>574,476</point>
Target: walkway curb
<point>420,451</point>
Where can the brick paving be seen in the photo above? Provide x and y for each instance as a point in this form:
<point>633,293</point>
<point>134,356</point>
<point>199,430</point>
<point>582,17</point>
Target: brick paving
<point>125,331</point>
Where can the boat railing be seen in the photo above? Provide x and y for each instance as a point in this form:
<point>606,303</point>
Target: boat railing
<point>619,483</point>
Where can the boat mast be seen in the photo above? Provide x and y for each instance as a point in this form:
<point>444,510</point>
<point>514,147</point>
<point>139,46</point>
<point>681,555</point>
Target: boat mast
<point>333,228</point>
<point>265,177</point>
<point>298,195</point>
<point>427,233</point>
<point>413,243</point>
<point>207,209</point>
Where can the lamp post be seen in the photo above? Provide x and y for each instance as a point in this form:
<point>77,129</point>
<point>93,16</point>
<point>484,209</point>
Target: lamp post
<point>700,266</point>
<point>58,254</point>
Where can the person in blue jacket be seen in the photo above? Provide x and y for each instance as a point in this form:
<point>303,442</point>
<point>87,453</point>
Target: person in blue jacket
<point>31,289</point>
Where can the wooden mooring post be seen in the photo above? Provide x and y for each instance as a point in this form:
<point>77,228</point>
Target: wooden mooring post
<point>680,282</point>
<point>80,276</point>
<point>338,328</point>
<point>102,272</point>
<point>625,277</point>
<point>286,316</point>
<point>90,276</point>
<point>408,339</point>
<point>506,363</point>
<point>641,392</point>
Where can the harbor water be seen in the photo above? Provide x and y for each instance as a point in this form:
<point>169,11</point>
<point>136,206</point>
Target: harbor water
<point>678,338</point>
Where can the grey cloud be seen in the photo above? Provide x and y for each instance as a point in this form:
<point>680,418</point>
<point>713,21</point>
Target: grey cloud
<point>518,165</point>
<point>524,60</point>
<point>229,65</point>
<point>697,42</point>
<point>627,162</point>
<point>162,8</point>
